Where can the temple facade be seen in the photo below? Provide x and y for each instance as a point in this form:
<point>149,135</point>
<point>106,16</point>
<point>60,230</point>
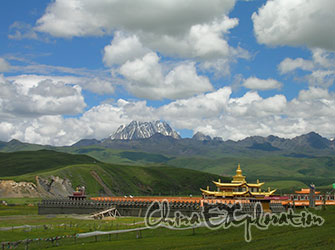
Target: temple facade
<point>237,188</point>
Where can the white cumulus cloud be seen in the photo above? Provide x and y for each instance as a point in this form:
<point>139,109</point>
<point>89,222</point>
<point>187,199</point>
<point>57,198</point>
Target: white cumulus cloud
<point>68,18</point>
<point>319,71</point>
<point>147,79</point>
<point>193,29</point>
<point>296,23</point>
<point>215,113</point>
<point>94,84</point>
<point>122,49</point>
<point>40,98</point>
<point>261,84</point>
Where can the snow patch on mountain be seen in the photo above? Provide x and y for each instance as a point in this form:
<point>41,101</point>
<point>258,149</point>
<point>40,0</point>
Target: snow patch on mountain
<point>142,130</point>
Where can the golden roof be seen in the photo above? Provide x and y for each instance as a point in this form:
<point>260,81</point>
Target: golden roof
<point>238,177</point>
<point>220,184</point>
<point>255,184</point>
<point>237,182</point>
<point>223,184</point>
<point>242,193</point>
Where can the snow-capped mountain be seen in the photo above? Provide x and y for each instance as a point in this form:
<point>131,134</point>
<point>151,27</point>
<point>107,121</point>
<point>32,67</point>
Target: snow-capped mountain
<point>201,137</point>
<point>141,130</point>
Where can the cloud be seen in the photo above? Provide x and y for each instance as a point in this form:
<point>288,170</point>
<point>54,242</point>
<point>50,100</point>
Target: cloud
<point>201,107</point>
<point>68,18</point>
<point>6,131</point>
<point>288,65</point>
<point>296,23</point>
<point>122,49</point>
<point>97,85</point>
<point>46,97</point>
<point>147,79</point>
<point>187,30</point>
<point>218,114</point>
<point>314,94</point>
<point>20,30</point>
<point>319,71</point>
<point>261,84</point>
<point>204,41</point>
<point>4,65</point>
<point>98,122</point>
<point>92,83</point>
<point>97,81</point>
<point>215,113</point>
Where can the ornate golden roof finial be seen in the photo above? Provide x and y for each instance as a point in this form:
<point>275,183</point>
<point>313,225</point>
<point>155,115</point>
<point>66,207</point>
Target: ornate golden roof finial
<point>239,170</point>
<point>238,177</point>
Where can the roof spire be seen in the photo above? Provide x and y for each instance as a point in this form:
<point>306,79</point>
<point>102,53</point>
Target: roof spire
<point>238,177</point>
<point>239,170</point>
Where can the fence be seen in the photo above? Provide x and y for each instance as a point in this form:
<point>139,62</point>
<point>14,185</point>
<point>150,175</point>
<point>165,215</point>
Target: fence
<point>80,238</point>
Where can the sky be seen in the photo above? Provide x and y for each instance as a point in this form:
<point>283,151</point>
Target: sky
<point>78,69</point>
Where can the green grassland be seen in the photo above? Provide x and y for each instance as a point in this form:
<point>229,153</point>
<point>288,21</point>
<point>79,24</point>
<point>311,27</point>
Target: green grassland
<point>266,166</point>
<point>22,162</point>
<point>109,155</point>
<point>283,171</point>
<point>126,180</point>
<point>21,201</point>
<point>284,237</point>
<point>120,179</point>
<point>285,186</point>
<point>138,173</point>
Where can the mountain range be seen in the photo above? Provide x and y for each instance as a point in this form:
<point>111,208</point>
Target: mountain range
<point>158,137</point>
<point>279,161</point>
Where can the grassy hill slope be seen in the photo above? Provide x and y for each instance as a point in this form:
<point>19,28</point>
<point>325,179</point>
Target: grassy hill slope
<point>317,170</point>
<point>128,170</point>
<point>98,177</point>
<point>18,163</point>
<point>301,168</point>
<point>136,180</point>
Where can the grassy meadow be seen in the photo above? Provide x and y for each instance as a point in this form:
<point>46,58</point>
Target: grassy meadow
<point>113,179</point>
<point>285,237</point>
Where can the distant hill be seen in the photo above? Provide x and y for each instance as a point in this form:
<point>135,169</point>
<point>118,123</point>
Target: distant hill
<point>16,145</point>
<point>86,142</point>
<point>307,158</point>
<point>19,163</point>
<point>311,144</point>
<point>101,178</point>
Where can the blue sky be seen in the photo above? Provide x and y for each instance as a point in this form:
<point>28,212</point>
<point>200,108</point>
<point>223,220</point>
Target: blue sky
<point>74,69</point>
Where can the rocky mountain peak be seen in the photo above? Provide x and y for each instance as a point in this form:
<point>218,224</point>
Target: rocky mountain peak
<point>201,137</point>
<point>312,139</point>
<point>141,130</point>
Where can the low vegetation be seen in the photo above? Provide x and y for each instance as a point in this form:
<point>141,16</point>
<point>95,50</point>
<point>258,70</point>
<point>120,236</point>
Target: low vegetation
<point>285,237</point>
<point>114,179</point>
<point>23,162</point>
